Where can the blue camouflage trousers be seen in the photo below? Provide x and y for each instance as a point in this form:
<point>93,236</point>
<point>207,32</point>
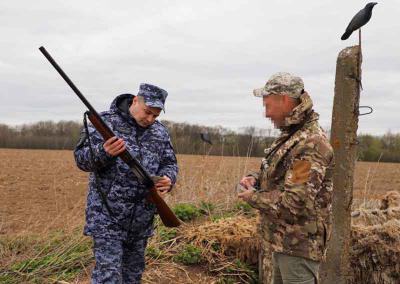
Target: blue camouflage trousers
<point>118,261</point>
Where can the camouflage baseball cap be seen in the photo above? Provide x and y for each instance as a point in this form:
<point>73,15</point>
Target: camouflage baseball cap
<point>282,83</point>
<point>153,96</point>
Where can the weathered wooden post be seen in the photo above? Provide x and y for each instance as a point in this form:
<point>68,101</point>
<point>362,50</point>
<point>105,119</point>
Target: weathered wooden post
<point>264,264</point>
<point>344,126</point>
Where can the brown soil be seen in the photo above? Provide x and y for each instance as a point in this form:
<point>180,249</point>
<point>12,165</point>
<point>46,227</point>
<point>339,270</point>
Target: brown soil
<point>42,190</point>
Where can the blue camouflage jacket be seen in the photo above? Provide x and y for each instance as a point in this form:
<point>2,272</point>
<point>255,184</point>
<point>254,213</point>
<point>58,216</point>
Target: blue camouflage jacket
<point>132,216</point>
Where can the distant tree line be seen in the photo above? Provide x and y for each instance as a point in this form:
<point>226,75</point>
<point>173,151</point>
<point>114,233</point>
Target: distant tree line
<point>249,142</point>
<point>41,135</point>
<point>186,140</point>
<point>385,148</point>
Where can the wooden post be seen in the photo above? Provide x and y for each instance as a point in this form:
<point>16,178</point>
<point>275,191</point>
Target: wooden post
<point>344,126</point>
<point>264,263</point>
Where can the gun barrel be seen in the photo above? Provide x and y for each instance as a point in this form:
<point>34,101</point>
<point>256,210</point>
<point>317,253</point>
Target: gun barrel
<point>67,79</point>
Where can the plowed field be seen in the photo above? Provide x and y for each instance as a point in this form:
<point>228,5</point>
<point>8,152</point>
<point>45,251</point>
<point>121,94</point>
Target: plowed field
<point>42,190</point>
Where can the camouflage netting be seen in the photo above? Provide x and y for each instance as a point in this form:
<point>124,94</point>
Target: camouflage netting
<point>375,253</point>
<point>389,209</point>
<point>230,237</point>
<point>374,216</point>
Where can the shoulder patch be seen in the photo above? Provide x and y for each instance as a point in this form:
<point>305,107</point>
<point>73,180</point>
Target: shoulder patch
<point>300,171</point>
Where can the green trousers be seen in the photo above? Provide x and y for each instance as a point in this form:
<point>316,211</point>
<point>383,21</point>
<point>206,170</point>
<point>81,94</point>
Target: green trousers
<point>289,269</point>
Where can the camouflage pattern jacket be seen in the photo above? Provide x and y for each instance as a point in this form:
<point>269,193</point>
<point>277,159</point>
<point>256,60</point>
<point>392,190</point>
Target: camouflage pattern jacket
<point>131,215</point>
<point>295,187</point>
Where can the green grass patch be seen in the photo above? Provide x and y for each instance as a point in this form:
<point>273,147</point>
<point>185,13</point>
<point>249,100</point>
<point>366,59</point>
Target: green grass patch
<point>243,207</point>
<point>226,280</point>
<point>223,215</point>
<point>241,270</point>
<point>186,211</point>
<point>166,234</point>
<point>59,258</point>
<point>190,255</point>
<point>153,252</point>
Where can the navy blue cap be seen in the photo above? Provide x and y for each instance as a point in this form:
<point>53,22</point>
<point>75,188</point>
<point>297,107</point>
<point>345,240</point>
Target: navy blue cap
<point>153,96</point>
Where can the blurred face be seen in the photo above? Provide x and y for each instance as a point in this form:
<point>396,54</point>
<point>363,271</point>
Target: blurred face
<point>144,115</point>
<point>277,108</point>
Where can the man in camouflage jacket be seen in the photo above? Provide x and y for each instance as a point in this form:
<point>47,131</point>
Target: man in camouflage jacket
<point>118,217</point>
<point>293,189</point>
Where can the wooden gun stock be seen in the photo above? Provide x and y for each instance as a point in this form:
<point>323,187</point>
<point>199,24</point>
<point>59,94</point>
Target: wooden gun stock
<point>166,214</point>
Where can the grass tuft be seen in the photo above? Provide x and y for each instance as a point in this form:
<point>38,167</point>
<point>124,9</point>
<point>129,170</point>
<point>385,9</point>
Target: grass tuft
<point>57,258</point>
<point>186,211</point>
<point>189,255</point>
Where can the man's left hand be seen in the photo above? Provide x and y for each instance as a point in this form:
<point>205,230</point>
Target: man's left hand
<point>163,186</point>
<point>246,195</point>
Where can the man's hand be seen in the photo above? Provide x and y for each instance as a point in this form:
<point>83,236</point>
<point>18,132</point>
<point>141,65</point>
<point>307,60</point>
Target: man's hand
<point>114,146</point>
<point>246,195</point>
<point>248,182</point>
<point>163,186</point>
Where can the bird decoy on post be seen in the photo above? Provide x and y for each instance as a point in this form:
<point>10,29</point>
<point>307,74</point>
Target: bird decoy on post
<point>206,138</point>
<point>359,20</point>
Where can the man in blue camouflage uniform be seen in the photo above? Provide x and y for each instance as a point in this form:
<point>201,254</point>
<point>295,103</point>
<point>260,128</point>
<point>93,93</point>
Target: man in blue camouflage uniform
<point>293,189</point>
<point>118,217</point>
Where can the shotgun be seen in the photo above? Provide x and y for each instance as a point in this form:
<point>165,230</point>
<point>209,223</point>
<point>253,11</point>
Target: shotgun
<point>166,214</point>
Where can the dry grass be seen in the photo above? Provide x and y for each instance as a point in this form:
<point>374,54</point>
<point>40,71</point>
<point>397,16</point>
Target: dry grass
<point>43,191</point>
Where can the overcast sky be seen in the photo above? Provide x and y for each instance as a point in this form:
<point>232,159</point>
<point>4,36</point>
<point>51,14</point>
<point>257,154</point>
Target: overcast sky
<point>209,56</point>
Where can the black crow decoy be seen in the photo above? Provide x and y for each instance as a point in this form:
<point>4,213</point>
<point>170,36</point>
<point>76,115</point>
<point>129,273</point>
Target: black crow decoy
<point>359,20</point>
<point>206,138</point>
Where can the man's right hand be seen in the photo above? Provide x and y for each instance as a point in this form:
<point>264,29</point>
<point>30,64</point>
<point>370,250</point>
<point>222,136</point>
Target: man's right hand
<point>248,181</point>
<point>114,146</point>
